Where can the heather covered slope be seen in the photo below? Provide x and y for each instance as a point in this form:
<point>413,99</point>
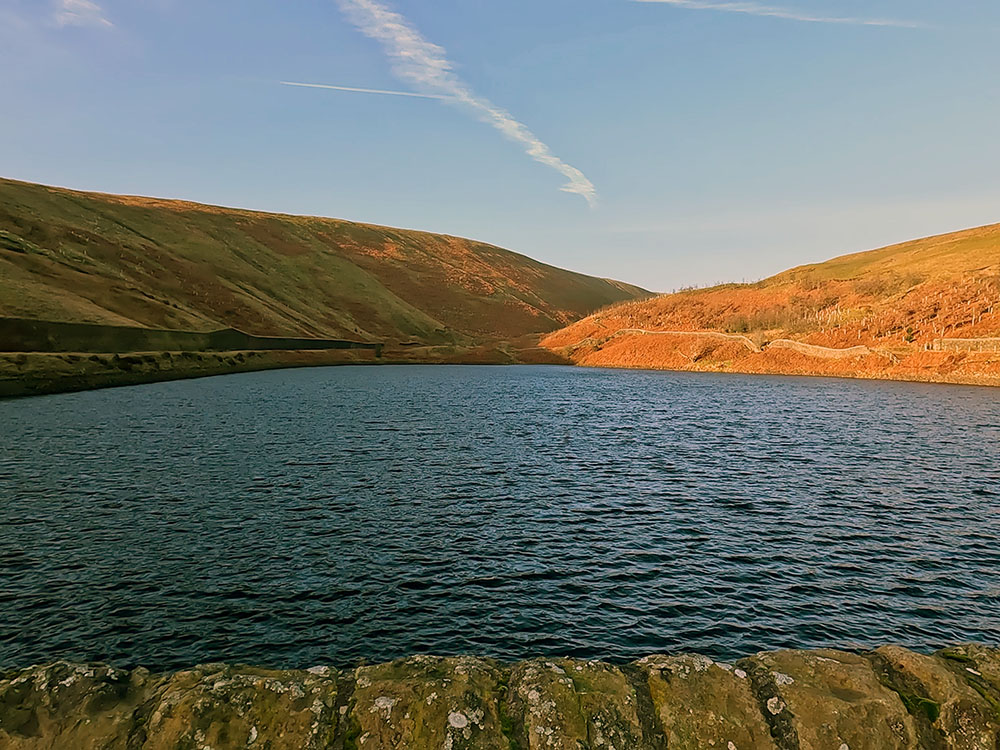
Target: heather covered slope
<point>881,313</point>
<point>86,257</point>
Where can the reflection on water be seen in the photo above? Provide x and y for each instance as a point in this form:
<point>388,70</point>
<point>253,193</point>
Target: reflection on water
<point>326,515</point>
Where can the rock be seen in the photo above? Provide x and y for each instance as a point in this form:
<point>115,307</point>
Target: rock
<point>953,714</point>
<point>701,704</point>
<point>428,702</point>
<point>610,705</point>
<point>72,706</point>
<point>566,705</point>
<point>890,699</point>
<point>824,700</point>
<point>980,665</point>
<point>221,707</point>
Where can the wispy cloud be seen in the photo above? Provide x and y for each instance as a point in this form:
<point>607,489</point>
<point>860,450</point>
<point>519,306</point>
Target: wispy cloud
<point>80,13</point>
<point>364,91</point>
<point>426,66</point>
<point>789,14</point>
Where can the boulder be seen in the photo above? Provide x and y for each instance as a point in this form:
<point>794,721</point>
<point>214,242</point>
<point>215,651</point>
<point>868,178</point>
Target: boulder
<point>700,703</point>
<point>980,665</point>
<point>217,707</point>
<point>952,713</point>
<point>829,700</point>
<point>560,704</point>
<point>73,706</point>
<point>428,702</point>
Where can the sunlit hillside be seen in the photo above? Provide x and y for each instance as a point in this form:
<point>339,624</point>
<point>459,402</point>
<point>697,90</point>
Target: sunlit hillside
<point>864,313</point>
<point>85,257</point>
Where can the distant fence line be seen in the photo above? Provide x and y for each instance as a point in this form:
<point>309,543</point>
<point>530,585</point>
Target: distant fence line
<point>967,345</point>
<point>28,335</point>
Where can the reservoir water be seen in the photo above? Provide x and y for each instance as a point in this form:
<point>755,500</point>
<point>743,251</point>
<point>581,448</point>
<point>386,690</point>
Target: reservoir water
<point>323,516</point>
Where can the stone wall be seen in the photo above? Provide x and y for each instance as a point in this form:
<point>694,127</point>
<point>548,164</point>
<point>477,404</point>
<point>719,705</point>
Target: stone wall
<point>787,700</point>
<point>967,345</point>
<point>28,335</point>
<point>823,352</point>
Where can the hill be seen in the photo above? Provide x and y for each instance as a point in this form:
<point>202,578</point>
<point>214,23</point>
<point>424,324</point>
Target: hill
<point>122,260</point>
<point>927,309</point>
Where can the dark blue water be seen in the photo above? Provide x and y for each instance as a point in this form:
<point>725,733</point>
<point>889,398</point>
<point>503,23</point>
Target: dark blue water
<point>327,515</point>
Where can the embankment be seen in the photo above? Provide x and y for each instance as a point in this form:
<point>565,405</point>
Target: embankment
<point>803,700</point>
<point>36,373</point>
<point>30,335</point>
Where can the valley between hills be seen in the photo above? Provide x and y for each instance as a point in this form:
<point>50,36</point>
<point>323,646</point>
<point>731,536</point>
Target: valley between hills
<point>118,290</point>
<point>118,266</point>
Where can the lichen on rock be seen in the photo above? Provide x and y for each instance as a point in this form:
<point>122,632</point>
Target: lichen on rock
<point>889,699</point>
<point>220,707</point>
<point>703,704</point>
<point>431,702</point>
<point>73,706</point>
<point>560,704</point>
<point>830,698</point>
<point>954,714</point>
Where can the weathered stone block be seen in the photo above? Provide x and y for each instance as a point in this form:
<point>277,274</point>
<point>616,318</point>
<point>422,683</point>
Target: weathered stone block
<point>702,704</point>
<point>428,702</point>
<point>890,699</point>
<point>955,715</point>
<point>560,704</point>
<point>981,665</point>
<point>221,707</point>
<point>609,703</point>
<point>829,700</point>
<point>72,706</point>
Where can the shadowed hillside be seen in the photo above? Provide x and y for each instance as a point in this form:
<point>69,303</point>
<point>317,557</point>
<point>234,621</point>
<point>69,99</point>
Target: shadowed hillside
<point>928,309</point>
<point>94,258</point>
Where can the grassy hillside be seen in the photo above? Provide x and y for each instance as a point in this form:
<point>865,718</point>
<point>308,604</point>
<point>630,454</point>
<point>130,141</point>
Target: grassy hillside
<point>896,302</point>
<point>87,257</point>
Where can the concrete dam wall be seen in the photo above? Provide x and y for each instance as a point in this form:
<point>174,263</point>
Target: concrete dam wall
<point>28,335</point>
<point>887,699</point>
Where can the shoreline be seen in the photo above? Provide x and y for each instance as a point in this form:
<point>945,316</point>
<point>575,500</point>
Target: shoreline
<point>23,375</point>
<point>783,700</point>
<point>990,382</point>
<point>630,349</point>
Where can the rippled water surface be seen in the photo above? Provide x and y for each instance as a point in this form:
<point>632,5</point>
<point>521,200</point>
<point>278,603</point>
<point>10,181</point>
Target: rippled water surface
<point>327,515</point>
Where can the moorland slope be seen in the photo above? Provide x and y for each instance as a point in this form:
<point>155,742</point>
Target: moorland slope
<point>122,260</point>
<point>923,310</point>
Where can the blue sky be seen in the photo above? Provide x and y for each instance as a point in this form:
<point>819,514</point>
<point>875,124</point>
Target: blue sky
<point>699,143</point>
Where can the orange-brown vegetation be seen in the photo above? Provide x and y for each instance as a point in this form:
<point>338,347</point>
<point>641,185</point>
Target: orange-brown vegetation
<point>891,307</point>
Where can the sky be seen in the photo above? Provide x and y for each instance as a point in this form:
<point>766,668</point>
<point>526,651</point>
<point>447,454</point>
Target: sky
<point>667,143</point>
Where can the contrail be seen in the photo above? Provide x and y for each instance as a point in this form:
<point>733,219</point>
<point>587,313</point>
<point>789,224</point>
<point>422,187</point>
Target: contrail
<point>427,67</point>
<point>755,9</point>
<point>81,13</point>
<point>364,91</point>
